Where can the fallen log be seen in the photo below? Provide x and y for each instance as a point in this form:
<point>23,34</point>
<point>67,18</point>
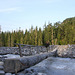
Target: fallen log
<point>17,64</point>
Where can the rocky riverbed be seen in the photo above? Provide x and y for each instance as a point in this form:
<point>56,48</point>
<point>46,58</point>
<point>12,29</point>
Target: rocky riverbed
<point>26,51</point>
<point>52,66</point>
<point>62,50</point>
<point>66,51</point>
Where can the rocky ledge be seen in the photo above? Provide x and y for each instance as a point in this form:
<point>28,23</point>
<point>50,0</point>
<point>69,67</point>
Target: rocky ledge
<point>67,51</point>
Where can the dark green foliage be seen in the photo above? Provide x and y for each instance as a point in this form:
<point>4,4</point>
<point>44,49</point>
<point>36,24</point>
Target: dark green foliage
<point>57,34</point>
<point>39,37</point>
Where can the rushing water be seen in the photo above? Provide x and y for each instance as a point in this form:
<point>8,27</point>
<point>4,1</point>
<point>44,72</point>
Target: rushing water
<point>55,66</point>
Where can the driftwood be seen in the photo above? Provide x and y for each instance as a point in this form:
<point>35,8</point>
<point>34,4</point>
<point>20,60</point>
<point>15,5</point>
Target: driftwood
<point>17,64</point>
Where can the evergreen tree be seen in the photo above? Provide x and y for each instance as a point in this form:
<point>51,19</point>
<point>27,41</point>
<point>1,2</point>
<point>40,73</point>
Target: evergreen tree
<point>8,39</point>
<point>40,37</point>
<point>3,39</point>
<point>26,37</point>
<point>0,37</point>
<point>32,36</point>
<point>12,39</point>
<point>60,33</point>
<point>35,36</point>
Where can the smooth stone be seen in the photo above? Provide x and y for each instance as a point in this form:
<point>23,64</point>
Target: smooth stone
<point>2,72</point>
<point>1,68</point>
<point>8,74</point>
<point>1,63</point>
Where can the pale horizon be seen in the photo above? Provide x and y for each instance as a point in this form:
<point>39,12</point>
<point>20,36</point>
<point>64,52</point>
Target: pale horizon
<point>27,13</point>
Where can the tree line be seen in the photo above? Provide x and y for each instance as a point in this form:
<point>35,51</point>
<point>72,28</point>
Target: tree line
<point>61,33</point>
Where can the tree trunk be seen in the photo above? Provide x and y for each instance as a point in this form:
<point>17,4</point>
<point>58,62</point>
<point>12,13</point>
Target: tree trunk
<point>18,64</point>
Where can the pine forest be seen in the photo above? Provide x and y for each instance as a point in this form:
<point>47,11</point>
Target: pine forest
<point>60,33</point>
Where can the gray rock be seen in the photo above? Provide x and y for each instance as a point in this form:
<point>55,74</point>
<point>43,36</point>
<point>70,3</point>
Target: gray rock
<point>20,73</point>
<point>2,72</point>
<point>66,51</point>
<point>53,66</point>
<point>25,50</point>
<point>1,63</point>
<point>13,74</point>
<point>1,68</point>
<point>41,74</point>
<point>8,74</point>
<point>18,64</point>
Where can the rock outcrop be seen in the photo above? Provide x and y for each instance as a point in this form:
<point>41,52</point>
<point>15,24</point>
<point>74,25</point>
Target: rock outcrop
<point>66,51</point>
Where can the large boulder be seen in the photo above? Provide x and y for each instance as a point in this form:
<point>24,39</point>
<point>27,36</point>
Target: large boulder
<point>66,51</point>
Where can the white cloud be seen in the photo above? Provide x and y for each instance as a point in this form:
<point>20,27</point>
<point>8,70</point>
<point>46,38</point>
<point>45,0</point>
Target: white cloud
<point>8,9</point>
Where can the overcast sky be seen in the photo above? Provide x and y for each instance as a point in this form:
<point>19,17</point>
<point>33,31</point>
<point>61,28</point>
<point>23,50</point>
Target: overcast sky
<point>25,13</point>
